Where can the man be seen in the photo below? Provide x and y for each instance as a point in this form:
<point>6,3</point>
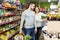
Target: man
<point>30,24</point>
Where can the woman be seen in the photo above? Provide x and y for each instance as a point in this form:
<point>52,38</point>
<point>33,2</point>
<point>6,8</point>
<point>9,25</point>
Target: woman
<point>38,22</point>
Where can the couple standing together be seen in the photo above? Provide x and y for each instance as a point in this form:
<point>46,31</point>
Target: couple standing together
<point>32,21</point>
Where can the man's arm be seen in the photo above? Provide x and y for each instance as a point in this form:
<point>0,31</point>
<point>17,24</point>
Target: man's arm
<point>35,24</point>
<point>22,21</point>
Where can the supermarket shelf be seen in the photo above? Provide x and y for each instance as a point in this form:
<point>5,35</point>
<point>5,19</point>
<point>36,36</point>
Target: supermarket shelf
<point>9,29</point>
<point>1,7</point>
<point>4,23</point>
<point>6,8</point>
<point>12,22</point>
<point>10,38</point>
<point>8,15</point>
<point>20,9</point>
<point>10,8</point>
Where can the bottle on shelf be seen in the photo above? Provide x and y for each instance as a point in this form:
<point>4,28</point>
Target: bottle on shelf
<point>58,35</point>
<point>54,35</point>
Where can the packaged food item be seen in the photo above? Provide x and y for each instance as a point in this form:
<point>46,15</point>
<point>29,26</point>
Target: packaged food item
<point>7,34</point>
<point>0,21</point>
<point>4,29</point>
<point>18,37</point>
<point>2,37</point>
<point>7,5</point>
<point>10,19</point>
<point>12,31</point>
<point>58,35</point>
<point>1,11</point>
<point>0,29</point>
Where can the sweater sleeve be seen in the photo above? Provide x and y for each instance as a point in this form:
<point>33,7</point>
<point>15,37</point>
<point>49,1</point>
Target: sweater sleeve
<point>35,22</point>
<point>22,20</point>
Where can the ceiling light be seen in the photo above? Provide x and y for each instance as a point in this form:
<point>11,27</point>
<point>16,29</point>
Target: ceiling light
<point>49,0</point>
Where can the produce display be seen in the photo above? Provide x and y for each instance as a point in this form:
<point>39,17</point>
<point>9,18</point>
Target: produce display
<point>9,19</point>
<point>53,16</point>
<point>6,35</point>
<point>8,5</point>
<point>7,27</point>
<point>43,17</point>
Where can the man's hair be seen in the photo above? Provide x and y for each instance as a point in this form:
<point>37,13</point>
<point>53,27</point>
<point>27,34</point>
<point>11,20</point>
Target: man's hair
<point>30,4</point>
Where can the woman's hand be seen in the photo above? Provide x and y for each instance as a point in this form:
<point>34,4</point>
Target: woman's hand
<point>45,20</point>
<point>35,30</point>
<point>21,31</point>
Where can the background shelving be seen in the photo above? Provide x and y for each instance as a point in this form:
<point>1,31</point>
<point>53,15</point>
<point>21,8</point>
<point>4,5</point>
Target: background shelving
<point>9,19</point>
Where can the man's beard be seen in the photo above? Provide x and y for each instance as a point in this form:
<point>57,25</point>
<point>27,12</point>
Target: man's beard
<point>32,9</point>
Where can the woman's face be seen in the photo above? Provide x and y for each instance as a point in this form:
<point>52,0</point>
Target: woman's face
<point>36,9</point>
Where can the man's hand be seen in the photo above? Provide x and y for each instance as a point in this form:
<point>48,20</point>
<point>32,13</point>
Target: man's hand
<point>21,31</point>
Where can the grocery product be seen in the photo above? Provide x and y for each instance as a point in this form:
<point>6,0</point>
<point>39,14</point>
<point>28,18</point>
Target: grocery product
<point>12,31</point>
<point>0,21</point>
<point>16,28</point>
<point>43,17</point>
<point>0,29</point>
<point>3,37</point>
<point>18,37</point>
<point>7,5</point>
<point>27,37</point>
<point>1,11</point>
<point>9,19</point>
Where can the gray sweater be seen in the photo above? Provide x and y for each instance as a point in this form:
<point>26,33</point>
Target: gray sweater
<point>39,20</point>
<point>29,17</point>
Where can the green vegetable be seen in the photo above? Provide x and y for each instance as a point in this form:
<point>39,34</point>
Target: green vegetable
<point>43,17</point>
<point>27,37</point>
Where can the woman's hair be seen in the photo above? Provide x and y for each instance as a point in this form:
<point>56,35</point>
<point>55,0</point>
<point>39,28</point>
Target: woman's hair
<point>36,7</point>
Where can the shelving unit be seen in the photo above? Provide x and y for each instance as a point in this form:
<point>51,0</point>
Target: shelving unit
<point>4,23</point>
<point>11,38</point>
<point>9,20</point>
<point>9,29</point>
<point>8,15</point>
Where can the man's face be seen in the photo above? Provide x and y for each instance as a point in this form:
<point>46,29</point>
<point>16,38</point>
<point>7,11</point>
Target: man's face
<point>32,6</point>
